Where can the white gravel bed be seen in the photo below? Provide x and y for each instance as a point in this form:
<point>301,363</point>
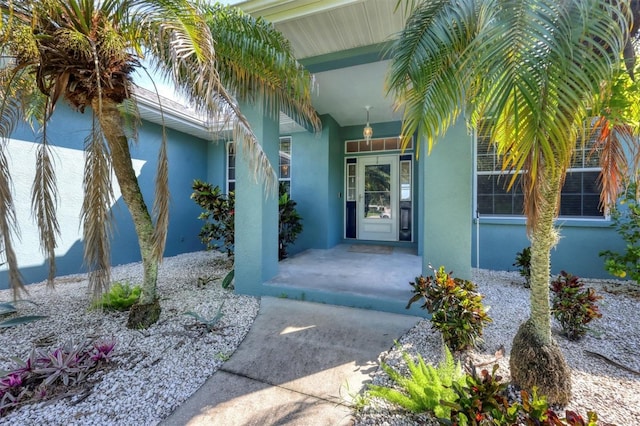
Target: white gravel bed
<point>613,393</point>
<point>152,371</point>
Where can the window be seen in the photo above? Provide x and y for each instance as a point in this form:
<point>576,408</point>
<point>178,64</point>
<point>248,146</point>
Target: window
<point>284,166</point>
<point>284,169</point>
<point>580,193</point>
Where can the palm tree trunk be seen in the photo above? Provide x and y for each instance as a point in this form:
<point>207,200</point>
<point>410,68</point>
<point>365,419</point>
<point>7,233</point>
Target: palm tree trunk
<point>536,359</point>
<point>112,126</point>
<point>543,238</point>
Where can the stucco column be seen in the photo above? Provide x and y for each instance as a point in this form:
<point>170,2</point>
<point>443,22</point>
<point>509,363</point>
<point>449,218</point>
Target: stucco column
<point>447,179</point>
<point>256,214</point>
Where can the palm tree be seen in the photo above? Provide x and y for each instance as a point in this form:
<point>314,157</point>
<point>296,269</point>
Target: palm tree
<point>85,51</point>
<point>531,72</point>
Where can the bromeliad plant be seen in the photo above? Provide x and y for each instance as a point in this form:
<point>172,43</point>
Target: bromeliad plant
<point>573,305</point>
<point>38,377</point>
<point>455,306</point>
<point>7,308</point>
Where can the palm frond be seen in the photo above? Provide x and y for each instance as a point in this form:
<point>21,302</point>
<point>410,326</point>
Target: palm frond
<point>9,227</point>
<point>44,200</point>
<point>96,212</point>
<point>533,67</point>
<point>161,202</point>
<point>426,76</point>
<point>256,62</point>
<point>183,52</point>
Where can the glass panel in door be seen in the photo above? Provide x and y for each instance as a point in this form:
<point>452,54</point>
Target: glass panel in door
<point>377,191</point>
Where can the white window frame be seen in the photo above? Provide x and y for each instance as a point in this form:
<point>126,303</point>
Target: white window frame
<point>230,153</point>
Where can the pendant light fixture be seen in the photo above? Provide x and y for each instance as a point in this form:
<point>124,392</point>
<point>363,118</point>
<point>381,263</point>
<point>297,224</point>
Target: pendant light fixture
<point>367,132</point>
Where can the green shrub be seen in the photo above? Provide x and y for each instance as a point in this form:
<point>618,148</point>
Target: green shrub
<point>290,222</point>
<point>480,399</point>
<point>626,220</point>
<point>119,298</point>
<point>455,306</point>
<point>572,305</point>
<point>218,214</point>
<point>425,387</point>
<point>523,262</point>
<point>535,411</point>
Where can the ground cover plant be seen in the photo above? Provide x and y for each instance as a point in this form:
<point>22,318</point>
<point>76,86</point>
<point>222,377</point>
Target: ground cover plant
<point>49,372</point>
<point>426,387</point>
<point>120,297</point>
<point>460,397</point>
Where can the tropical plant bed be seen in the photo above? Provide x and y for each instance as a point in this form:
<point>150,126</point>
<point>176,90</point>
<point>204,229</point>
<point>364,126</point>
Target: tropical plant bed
<point>600,363</point>
<point>149,372</point>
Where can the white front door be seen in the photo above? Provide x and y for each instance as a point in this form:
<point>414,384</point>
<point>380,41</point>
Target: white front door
<point>377,203</point>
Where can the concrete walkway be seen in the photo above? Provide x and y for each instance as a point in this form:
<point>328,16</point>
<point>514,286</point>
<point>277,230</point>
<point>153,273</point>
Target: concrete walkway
<point>300,364</point>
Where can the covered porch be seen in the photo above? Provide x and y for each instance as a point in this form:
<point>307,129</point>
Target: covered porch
<point>351,274</point>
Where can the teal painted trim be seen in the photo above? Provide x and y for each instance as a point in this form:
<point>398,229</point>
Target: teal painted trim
<point>347,58</point>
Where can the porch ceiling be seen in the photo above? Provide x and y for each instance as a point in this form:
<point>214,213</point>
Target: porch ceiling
<point>342,42</point>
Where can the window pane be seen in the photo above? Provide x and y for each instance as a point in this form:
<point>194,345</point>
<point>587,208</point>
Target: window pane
<point>485,163</point>
<point>485,184</point>
<point>570,205</point>
<point>377,145</point>
<point>503,204</point>
<point>572,183</point>
<point>591,206</point>
<point>485,204</point>
<point>377,191</point>
<point>232,173</point>
<point>352,146</point>
<point>285,158</point>
<point>590,183</point>
<point>287,186</point>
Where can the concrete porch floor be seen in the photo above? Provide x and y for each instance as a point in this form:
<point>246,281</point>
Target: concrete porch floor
<point>381,273</point>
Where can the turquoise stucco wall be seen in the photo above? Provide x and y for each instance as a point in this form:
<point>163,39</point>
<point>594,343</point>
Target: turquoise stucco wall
<point>309,188</point>
<point>447,191</point>
<point>256,210</point>
<point>577,251</point>
<point>67,130</point>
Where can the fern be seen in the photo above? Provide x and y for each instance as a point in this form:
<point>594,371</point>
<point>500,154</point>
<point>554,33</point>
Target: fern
<point>425,386</point>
